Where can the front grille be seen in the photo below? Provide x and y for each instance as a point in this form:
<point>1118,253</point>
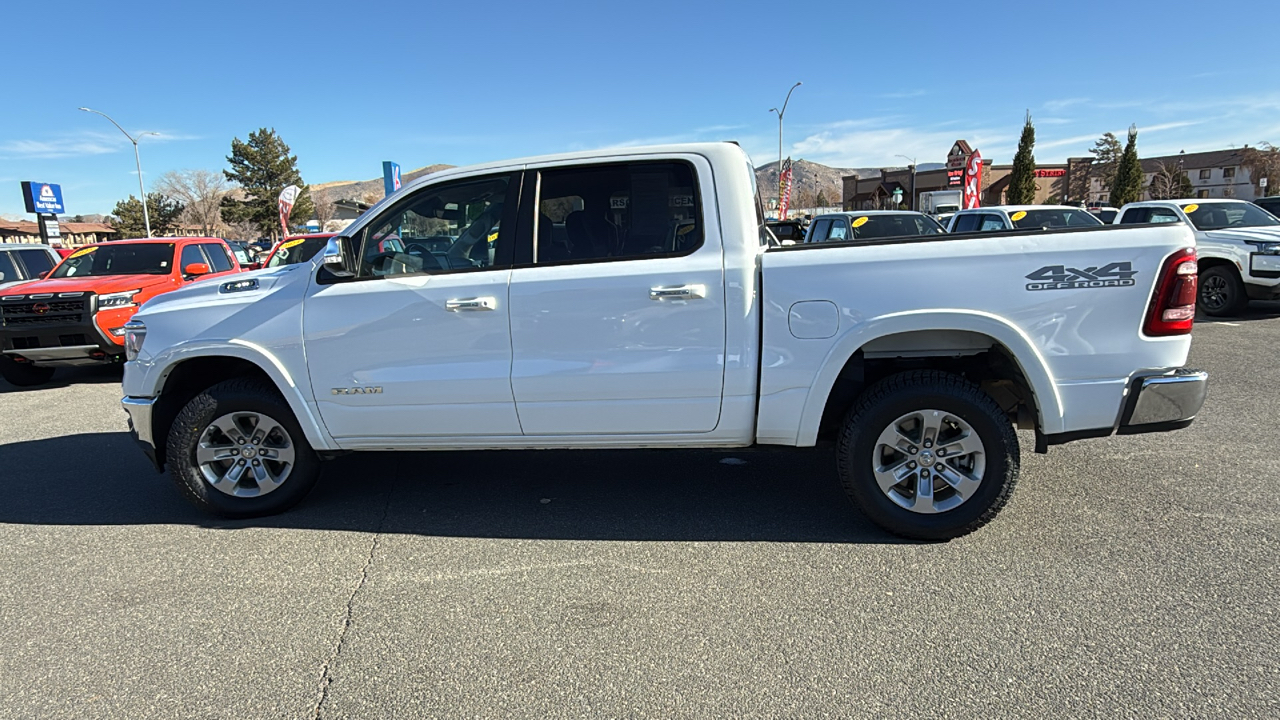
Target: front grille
<point>42,313</point>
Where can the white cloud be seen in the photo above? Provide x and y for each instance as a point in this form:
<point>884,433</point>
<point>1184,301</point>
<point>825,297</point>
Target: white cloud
<point>839,145</point>
<point>1056,105</point>
<point>81,144</point>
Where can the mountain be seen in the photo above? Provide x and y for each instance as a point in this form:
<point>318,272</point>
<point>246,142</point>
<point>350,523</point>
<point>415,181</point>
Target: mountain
<point>809,178</point>
<point>368,191</point>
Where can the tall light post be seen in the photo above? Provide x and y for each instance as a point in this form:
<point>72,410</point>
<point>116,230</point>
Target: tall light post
<point>146,216</point>
<point>782,112</point>
<point>913,179</point>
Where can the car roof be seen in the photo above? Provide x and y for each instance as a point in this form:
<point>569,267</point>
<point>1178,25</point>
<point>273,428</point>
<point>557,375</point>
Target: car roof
<point>26,246</point>
<point>139,241</point>
<point>309,236</point>
<point>1015,208</point>
<point>1183,202</point>
<point>860,213</point>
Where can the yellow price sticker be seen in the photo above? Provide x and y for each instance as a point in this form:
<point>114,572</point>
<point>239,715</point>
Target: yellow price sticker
<point>78,253</point>
<point>290,244</point>
<point>1190,208</point>
<point>493,237</point>
<point>861,221</point>
<point>1018,215</point>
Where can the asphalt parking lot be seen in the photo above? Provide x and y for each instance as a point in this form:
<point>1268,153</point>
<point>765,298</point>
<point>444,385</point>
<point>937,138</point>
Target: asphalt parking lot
<point>1128,577</point>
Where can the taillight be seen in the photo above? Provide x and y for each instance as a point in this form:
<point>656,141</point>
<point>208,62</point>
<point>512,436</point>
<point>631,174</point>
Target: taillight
<point>1173,305</point>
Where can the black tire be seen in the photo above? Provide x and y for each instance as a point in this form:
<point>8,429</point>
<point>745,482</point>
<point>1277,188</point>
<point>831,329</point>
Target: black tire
<point>892,398</point>
<point>1221,292</point>
<point>24,374</point>
<point>238,396</point>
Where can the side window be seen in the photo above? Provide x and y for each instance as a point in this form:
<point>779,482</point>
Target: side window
<point>624,211</point>
<point>38,262</point>
<point>444,228</point>
<point>217,257</point>
<point>1162,215</point>
<point>839,231</point>
<point>8,272</point>
<point>966,223</point>
<point>1135,216</point>
<point>991,222</point>
<point>191,254</point>
<point>820,230</point>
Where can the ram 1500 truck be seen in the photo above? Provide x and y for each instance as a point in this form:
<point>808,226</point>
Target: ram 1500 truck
<point>76,314</point>
<point>629,299</point>
<point>1238,244</point>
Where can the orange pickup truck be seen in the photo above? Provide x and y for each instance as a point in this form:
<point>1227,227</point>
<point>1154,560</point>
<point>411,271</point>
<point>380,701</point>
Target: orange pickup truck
<point>75,315</point>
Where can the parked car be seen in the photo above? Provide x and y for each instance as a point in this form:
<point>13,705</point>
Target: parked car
<point>1270,204</point>
<point>1021,217</point>
<point>627,298</point>
<point>245,254</point>
<point>1106,214</point>
<point>1238,245</point>
<point>76,314</point>
<point>296,249</point>
<point>787,230</point>
<point>868,225</point>
<point>23,262</point>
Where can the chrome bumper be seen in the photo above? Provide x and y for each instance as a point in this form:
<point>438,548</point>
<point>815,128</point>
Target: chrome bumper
<point>140,411</point>
<point>1164,402</point>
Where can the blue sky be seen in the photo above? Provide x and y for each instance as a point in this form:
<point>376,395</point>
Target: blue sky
<point>349,85</point>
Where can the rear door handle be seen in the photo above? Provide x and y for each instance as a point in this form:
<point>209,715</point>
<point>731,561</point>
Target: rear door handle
<point>470,304</point>
<point>678,292</point>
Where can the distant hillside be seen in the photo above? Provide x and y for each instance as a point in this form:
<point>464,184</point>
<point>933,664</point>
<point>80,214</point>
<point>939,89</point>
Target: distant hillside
<point>810,178</point>
<point>369,191</point>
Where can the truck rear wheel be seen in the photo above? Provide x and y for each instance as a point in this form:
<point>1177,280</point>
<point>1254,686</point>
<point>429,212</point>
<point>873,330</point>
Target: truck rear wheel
<point>236,450</point>
<point>928,455</point>
<point>1222,292</point>
<point>24,374</point>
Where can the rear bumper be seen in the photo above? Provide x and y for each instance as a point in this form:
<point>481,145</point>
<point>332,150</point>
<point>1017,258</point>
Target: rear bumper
<point>1153,403</point>
<point>140,411</point>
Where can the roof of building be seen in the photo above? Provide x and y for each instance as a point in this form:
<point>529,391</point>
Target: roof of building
<point>1196,161</point>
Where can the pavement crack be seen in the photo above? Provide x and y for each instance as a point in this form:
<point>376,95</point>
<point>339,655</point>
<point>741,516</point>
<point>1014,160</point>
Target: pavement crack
<point>326,671</point>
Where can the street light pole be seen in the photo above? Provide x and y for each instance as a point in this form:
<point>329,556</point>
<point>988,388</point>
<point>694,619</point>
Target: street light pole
<point>782,112</point>
<point>913,180</point>
<point>146,216</point>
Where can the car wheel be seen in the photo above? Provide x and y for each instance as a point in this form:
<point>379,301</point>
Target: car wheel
<point>928,455</point>
<point>236,450</point>
<point>1221,292</point>
<point>24,374</point>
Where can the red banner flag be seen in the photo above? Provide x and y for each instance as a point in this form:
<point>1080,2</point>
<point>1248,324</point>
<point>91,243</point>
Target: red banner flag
<point>287,197</point>
<point>973,182</point>
<point>784,190</point>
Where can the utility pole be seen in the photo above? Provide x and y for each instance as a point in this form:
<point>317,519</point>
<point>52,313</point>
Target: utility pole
<point>782,112</point>
<point>913,179</point>
<point>146,216</point>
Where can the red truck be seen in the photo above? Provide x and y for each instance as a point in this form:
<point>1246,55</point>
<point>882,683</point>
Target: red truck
<point>75,315</point>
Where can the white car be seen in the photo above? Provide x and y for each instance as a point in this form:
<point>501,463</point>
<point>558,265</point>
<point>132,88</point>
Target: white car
<point>871,225</point>
<point>1238,244</point>
<point>24,262</point>
<point>1021,217</point>
<point>628,298</point>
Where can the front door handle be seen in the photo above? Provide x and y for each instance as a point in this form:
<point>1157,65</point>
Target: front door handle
<point>469,304</point>
<point>678,292</point>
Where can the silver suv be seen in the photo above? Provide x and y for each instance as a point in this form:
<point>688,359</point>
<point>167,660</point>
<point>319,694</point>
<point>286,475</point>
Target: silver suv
<point>21,263</point>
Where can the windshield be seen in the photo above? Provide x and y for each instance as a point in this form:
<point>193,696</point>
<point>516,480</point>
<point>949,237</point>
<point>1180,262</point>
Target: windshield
<point>131,259</point>
<point>870,227</point>
<point>1053,218</point>
<point>297,251</point>
<point>1216,216</point>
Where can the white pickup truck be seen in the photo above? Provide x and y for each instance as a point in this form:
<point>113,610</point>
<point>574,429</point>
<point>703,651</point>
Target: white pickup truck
<point>629,299</point>
<point>1238,245</point>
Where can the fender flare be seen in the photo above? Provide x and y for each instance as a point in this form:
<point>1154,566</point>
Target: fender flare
<point>1023,350</point>
<point>296,391</point>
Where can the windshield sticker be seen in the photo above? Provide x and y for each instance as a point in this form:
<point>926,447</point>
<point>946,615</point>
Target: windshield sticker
<point>1058,277</point>
<point>290,244</point>
<point>1190,208</point>
<point>861,221</point>
<point>78,253</point>
<point>1018,215</point>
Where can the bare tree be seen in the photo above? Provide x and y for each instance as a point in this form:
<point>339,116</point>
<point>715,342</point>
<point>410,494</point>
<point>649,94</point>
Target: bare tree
<point>1170,182</point>
<point>1263,162</point>
<point>201,191</point>
<point>326,210</point>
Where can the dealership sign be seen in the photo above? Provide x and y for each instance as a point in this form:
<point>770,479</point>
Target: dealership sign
<point>1047,173</point>
<point>42,198</point>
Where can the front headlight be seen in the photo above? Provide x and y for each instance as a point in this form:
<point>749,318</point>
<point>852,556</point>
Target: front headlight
<point>134,334</point>
<point>1268,248</point>
<point>110,301</point>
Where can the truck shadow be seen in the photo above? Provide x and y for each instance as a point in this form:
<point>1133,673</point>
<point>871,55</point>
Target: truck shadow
<point>674,495</point>
<point>65,377</point>
<point>1257,310</point>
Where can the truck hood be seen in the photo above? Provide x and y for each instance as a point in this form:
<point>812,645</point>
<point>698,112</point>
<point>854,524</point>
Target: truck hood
<point>209,291</point>
<point>1258,234</point>
<point>100,284</point>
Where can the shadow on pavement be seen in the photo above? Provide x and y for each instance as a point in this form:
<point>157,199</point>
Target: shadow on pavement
<point>67,376</point>
<point>775,495</point>
<point>1257,310</point>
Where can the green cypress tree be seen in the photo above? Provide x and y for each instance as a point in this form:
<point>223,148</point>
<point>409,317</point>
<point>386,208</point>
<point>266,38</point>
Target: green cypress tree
<point>1129,178</point>
<point>1022,179</point>
<point>263,167</point>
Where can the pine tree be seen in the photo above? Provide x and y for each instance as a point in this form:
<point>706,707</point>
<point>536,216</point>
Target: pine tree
<point>164,213</point>
<point>263,167</point>
<point>1022,179</point>
<point>1106,158</point>
<point>1129,178</point>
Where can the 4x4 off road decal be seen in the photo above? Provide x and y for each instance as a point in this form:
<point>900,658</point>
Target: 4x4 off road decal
<point>1058,277</point>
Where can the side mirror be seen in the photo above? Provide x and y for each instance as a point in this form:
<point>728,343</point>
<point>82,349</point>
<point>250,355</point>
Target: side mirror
<point>195,270</point>
<point>339,258</point>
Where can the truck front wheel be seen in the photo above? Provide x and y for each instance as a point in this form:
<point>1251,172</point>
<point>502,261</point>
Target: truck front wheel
<point>928,455</point>
<point>23,374</point>
<point>1222,292</point>
<point>236,450</point>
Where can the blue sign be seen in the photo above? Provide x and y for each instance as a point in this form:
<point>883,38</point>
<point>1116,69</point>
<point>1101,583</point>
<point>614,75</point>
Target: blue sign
<point>390,176</point>
<point>42,198</point>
